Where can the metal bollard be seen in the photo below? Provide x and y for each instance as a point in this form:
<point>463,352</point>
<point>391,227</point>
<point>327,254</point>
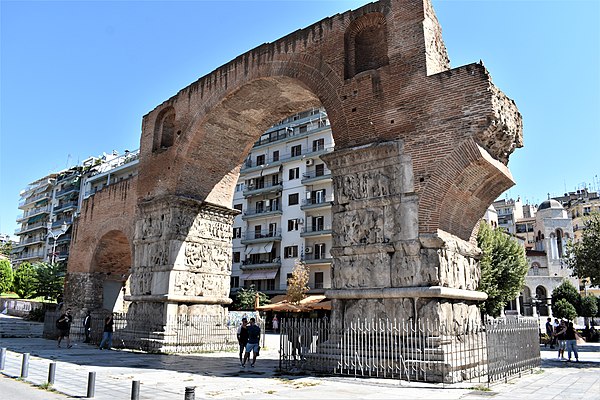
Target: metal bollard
<point>135,390</point>
<point>51,373</point>
<point>190,393</point>
<point>25,366</point>
<point>91,389</point>
<point>2,358</point>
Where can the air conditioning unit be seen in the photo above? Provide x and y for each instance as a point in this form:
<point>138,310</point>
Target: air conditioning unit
<point>308,250</point>
<point>310,162</point>
<point>300,221</point>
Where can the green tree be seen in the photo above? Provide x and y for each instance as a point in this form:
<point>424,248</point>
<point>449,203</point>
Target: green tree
<point>25,281</point>
<point>6,248</point>
<point>564,310</point>
<point>245,299</point>
<point>297,285</point>
<point>6,276</point>
<point>50,280</point>
<point>589,306</point>
<point>584,256</point>
<point>566,291</point>
<point>503,268</point>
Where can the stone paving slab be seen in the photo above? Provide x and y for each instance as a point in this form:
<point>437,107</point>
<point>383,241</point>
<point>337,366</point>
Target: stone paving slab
<point>219,376</point>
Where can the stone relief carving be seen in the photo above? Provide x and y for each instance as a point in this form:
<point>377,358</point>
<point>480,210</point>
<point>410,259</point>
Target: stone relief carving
<point>363,226</point>
<point>364,185</point>
<point>204,257</point>
<point>200,284</point>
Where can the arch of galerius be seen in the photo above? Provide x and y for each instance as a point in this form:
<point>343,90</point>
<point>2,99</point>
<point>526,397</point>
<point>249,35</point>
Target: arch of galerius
<point>421,152</point>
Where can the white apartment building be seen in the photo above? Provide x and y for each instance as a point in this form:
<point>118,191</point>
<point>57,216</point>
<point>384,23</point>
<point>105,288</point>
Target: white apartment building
<point>51,204</point>
<point>284,193</point>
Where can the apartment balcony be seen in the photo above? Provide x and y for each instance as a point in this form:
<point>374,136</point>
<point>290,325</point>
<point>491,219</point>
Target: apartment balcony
<point>34,199</point>
<point>315,177</point>
<point>253,190</point>
<point>261,213</point>
<point>314,259</point>
<point>33,212</point>
<point>66,206</point>
<point>315,231</point>
<point>28,256</point>
<point>68,190</point>
<point>30,241</point>
<point>317,202</point>
<point>252,165</point>
<point>31,227</point>
<point>59,223</point>
<point>266,263</point>
<point>261,237</point>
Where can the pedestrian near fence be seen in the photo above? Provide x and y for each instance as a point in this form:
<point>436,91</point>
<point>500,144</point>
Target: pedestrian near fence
<point>107,333</point>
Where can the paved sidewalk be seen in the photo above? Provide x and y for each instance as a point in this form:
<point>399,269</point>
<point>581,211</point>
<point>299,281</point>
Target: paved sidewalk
<point>219,375</point>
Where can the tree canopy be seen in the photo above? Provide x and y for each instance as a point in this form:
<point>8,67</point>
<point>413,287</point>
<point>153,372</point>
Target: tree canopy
<point>566,291</point>
<point>503,268</point>
<point>245,298</point>
<point>298,284</point>
<point>6,276</point>
<point>564,310</point>
<point>50,280</point>
<point>584,256</point>
<point>25,281</point>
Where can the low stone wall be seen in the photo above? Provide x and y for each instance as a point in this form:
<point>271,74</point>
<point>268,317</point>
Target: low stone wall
<point>18,307</point>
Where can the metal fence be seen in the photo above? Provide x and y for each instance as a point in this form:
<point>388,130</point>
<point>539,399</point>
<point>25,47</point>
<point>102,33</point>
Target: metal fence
<point>180,333</point>
<point>415,351</point>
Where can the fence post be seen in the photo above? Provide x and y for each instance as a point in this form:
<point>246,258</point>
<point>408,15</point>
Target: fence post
<point>190,393</point>
<point>135,390</point>
<point>91,387</point>
<point>51,373</point>
<point>25,365</point>
<point>2,358</point>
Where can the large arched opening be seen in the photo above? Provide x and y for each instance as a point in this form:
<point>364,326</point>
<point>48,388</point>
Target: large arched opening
<point>111,264</point>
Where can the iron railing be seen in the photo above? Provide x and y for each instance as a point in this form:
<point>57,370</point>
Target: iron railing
<point>411,350</point>
<point>179,334</point>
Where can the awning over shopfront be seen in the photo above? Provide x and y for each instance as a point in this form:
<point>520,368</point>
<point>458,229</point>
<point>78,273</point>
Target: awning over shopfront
<point>259,248</point>
<point>262,172</point>
<point>259,275</point>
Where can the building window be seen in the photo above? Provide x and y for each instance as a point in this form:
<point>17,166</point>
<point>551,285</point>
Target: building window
<point>236,256</point>
<point>319,251</point>
<point>319,169</point>
<point>302,129</point>
<point>318,145</point>
<point>259,207</point>
<point>294,173</point>
<point>290,251</point>
<point>237,207</point>
<point>293,224</point>
<point>287,278</point>
<point>260,160</point>
<point>235,281</point>
<point>318,280</point>
<point>293,199</point>
<point>270,284</point>
<point>276,155</point>
<point>237,233</point>
<point>296,150</point>
<point>257,230</point>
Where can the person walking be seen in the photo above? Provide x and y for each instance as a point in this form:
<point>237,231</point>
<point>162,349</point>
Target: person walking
<point>63,323</point>
<point>242,337</point>
<point>275,323</point>
<point>560,337</point>
<point>87,326</point>
<point>571,339</point>
<point>253,344</point>
<point>549,333</point>
<point>107,332</point>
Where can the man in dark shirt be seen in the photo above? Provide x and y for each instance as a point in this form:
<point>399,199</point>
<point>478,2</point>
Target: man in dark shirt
<point>242,337</point>
<point>550,333</point>
<point>63,323</point>
<point>253,342</point>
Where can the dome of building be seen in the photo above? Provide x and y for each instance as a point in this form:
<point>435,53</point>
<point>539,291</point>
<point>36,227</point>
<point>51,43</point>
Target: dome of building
<point>550,204</point>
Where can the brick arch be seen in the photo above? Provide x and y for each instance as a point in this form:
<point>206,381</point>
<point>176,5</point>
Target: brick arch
<point>461,189</point>
<point>229,122</point>
<point>113,255</point>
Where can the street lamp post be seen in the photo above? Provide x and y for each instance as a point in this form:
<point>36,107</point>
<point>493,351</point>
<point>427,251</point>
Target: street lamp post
<point>55,236</point>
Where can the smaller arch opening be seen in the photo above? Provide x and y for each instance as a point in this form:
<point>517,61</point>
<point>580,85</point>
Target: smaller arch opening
<point>165,130</point>
<point>366,44</point>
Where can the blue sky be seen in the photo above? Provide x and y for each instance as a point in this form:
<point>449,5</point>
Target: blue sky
<point>77,76</point>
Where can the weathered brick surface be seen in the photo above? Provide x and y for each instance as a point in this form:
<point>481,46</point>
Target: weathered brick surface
<point>383,75</point>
